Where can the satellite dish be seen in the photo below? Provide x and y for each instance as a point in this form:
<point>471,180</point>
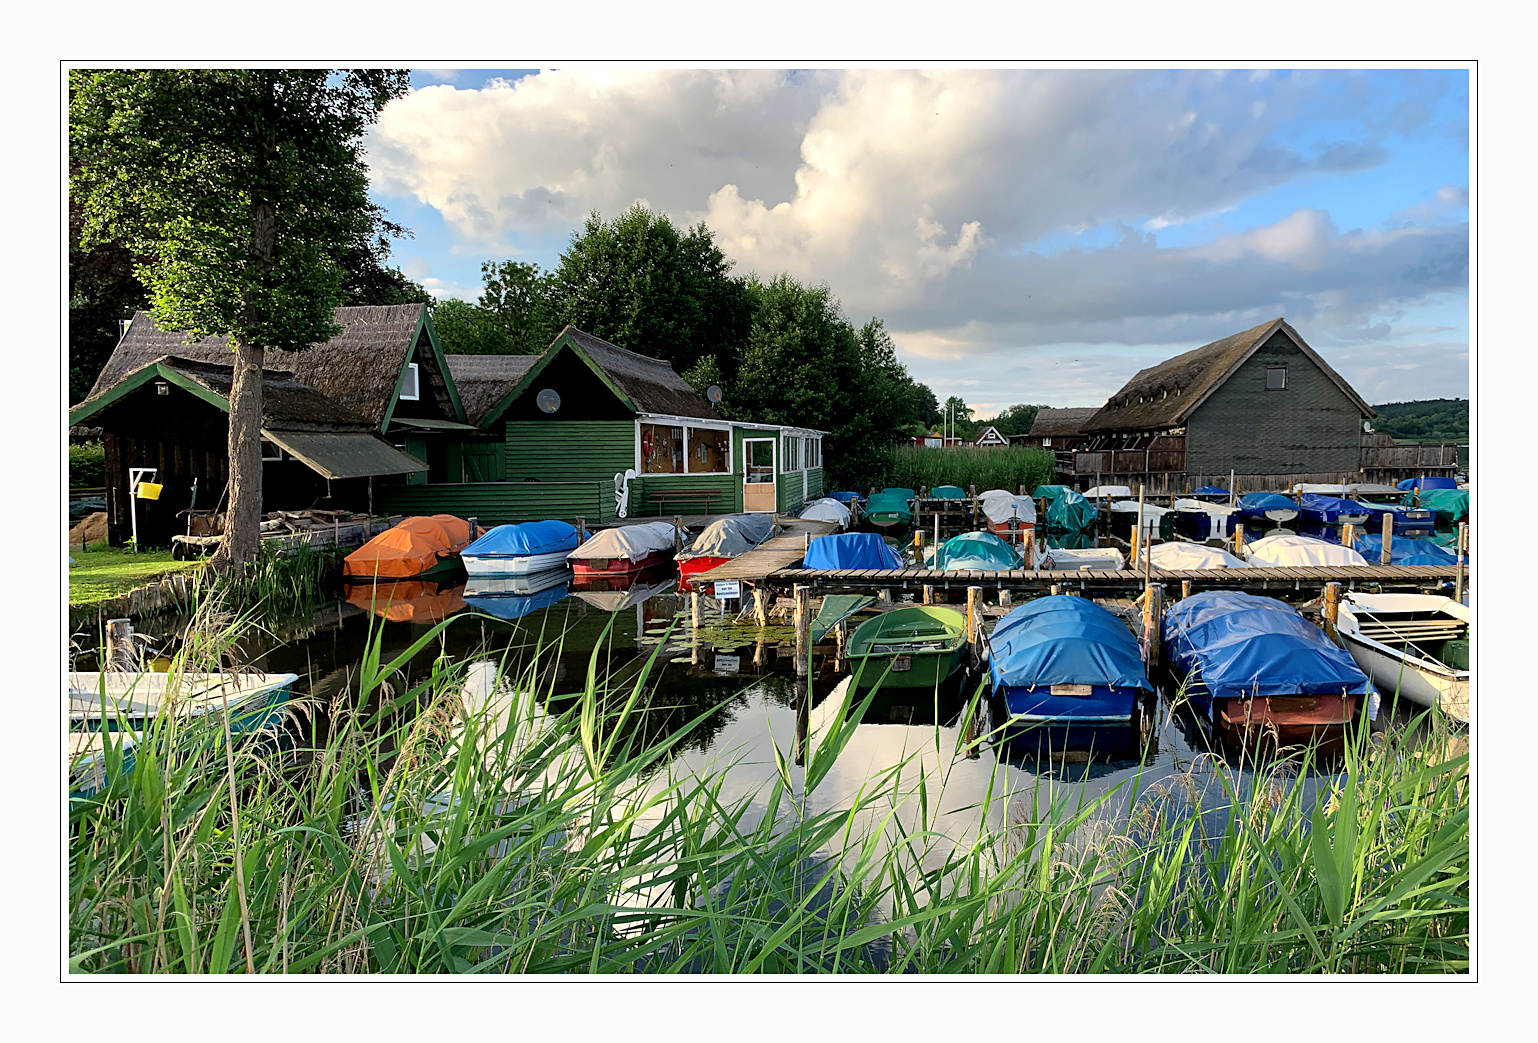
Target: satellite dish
<point>548,400</point>
<point>714,394</point>
<point>1367,426</point>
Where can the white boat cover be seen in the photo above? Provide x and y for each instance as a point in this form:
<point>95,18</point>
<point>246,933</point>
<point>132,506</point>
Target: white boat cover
<point>1221,509</point>
<point>1288,551</point>
<point>827,509</point>
<point>1149,520</point>
<point>1325,489</point>
<point>618,600</point>
<point>627,541</point>
<point>1178,554</point>
<point>1001,505</point>
<point>1109,492</point>
<point>1374,489</point>
<point>1092,558</point>
<point>730,536</point>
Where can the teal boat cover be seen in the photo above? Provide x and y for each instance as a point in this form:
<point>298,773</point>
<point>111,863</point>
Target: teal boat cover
<point>1069,511</point>
<point>978,550</point>
<point>948,492</point>
<point>837,607</point>
<point>906,494</point>
<point>1064,640</point>
<point>1454,502</point>
<point>888,502</point>
<point>1048,492</point>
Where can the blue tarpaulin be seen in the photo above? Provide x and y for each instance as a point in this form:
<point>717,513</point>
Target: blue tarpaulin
<point>977,550</point>
<point>517,541</point>
<point>851,550</point>
<point>846,497</point>
<point>1064,640</point>
<point>1210,490</point>
<point>1428,483</point>
<point>1403,551</point>
<point>1328,509</point>
<point>1260,503</point>
<point>1244,645</point>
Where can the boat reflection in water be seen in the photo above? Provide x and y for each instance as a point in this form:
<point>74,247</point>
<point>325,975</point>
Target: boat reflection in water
<point>1076,753</point>
<point>513,597</point>
<point>408,600</point>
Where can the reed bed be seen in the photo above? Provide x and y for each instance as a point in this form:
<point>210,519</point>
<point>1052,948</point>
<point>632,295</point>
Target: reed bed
<point>986,468</point>
<point>452,822</point>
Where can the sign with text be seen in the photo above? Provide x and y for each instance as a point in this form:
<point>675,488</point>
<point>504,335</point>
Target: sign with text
<point>728,588</point>
<point>728,664</point>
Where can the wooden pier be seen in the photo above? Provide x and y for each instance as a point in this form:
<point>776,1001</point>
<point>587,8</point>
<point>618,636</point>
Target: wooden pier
<point>1104,580</point>
<point>774,554</point>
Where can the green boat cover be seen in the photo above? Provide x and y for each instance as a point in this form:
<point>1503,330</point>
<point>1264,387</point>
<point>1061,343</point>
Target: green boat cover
<point>978,550</point>
<point>1070,512</point>
<point>889,502</point>
<point>836,607</point>
<point>1454,503</point>
<point>1048,492</point>
<point>948,492</point>
<point>906,494</point>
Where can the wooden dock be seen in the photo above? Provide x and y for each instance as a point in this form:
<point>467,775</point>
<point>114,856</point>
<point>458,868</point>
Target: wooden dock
<point>774,554</point>
<point>1037,580</point>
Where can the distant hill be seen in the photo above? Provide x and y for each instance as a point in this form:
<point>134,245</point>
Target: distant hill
<point>1426,420</point>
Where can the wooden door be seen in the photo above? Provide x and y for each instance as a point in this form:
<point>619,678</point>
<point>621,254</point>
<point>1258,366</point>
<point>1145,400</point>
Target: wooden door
<point>758,488</point>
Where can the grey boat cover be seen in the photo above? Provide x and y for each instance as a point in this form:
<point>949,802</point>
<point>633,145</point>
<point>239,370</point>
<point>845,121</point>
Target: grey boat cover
<point>1000,505</point>
<point>827,509</point>
<point>730,536</point>
<point>627,541</point>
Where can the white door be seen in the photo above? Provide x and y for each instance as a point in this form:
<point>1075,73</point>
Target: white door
<point>758,489</point>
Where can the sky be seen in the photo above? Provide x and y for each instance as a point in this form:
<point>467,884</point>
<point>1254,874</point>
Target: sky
<point>1025,235</point>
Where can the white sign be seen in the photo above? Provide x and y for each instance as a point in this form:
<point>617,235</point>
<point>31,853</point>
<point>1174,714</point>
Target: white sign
<point>728,664</point>
<point>728,588</point>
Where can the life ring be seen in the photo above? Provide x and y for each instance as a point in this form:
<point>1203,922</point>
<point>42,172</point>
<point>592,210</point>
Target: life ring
<point>646,444</point>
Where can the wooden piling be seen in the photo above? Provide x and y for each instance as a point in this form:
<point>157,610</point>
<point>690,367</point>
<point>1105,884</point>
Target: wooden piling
<point>1005,600</point>
<point>1153,615</point>
<point>1348,535</point>
<point>761,606</point>
<point>1239,540</point>
<point>975,623</point>
<point>840,643</point>
<point>929,594</point>
<point>120,656</point>
<point>694,609</point>
<point>678,534</point>
<point>1332,611</point>
<point>1185,589</point>
<point>918,547</point>
<point>1388,538</point>
<point>582,528</point>
<point>803,630</point>
<point>1056,590</point>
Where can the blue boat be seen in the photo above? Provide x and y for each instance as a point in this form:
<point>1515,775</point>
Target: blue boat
<point>1408,521</point>
<point>851,550</point>
<point>1200,520</point>
<point>1404,550</point>
<point>519,549</point>
<point>1268,506</point>
<point>1252,664</point>
<point>1206,492</point>
<point>979,552</point>
<point>1331,510</point>
<point>1429,483</point>
<point>847,497</point>
<point>1066,660</point>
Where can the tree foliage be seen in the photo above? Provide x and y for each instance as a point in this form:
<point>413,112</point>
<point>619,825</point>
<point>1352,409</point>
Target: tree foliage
<point>1431,420</point>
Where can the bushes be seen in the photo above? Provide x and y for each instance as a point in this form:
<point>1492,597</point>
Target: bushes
<point>87,465</point>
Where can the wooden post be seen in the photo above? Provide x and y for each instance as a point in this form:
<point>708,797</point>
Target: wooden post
<point>1332,611</point>
<point>1463,535</point>
<point>1056,590</point>
<point>120,657</point>
<point>884,596</point>
<point>761,606</point>
<point>678,534</point>
<point>582,528</point>
<point>803,630</point>
<point>1348,535</point>
<point>918,547</point>
<point>929,594</point>
<point>470,531</point>
<point>1185,589</point>
<point>1239,540</point>
<point>1388,538</point>
<point>975,623</point>
<point>1005,599</point>
<point>1153,614</point>
<point>840,643</point>
<point>937,530</point>
<point>694,608</point>
<point>1137,536</point>
<point>806,544</point>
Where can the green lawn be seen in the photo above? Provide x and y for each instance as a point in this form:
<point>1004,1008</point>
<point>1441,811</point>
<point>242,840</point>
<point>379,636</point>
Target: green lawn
<point>102,573</point>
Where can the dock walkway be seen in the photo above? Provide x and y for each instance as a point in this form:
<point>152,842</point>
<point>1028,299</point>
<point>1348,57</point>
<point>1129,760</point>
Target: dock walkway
<point>1401,576</point>
<point>774,554</point>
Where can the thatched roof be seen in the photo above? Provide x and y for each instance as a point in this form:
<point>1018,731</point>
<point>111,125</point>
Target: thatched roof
<point>287,405</point>
<point>1167,394</point>
<point>483,380</point>
<point>1061,423</point>
<point>651,384</point>
<point>357,368</point>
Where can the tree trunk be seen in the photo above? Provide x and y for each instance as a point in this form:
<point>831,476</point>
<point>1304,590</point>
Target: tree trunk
<point>242,527</point>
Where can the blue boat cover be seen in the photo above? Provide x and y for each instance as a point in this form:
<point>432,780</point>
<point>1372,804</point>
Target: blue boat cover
<point>1244,645</point>
<point>516,606</point>
<point>1069,511</point>
<point>1429,483</point>
<point>1210,490</point>
<point>851,550</point>
<point>1259,503</point>
<point>978,550</point>
<point>1328,508</point>
<point>846,497</point>
<point>1403,551</point>
<point>948,492</point>
<point>1064,640</point>
<point>516,541</point>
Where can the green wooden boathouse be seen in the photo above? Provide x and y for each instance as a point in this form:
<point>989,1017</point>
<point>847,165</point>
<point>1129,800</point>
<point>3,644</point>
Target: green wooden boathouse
<point>588,429</point>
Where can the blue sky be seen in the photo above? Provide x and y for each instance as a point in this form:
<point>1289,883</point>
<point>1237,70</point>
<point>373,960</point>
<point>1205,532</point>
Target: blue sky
<point>1025,235</point>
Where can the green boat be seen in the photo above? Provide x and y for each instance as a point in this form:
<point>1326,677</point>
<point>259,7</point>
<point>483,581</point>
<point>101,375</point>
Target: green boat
<point>889,511</point>
<point>916,646</point>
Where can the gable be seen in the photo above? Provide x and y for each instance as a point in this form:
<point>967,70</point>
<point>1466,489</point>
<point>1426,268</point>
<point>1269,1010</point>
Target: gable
<point>584,394</point>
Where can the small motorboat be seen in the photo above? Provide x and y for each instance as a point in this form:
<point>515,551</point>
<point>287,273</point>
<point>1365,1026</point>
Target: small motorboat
<point>1102,494</point>
<point>977,551</point>
<point>1069,511</point>
<point>1429,483</point>
<point>890,511</point>
<point>1251,664</point>
<point>1450,506</point>
<point>1289,551</point>
<point>408,600</point>
<point>1200,520</point>
<point>827,509</point>
<point>850,550</point>
<point>916,646</point>
<point>947,492</point>
<point>516,550</point>
<point>846,497</point>
<point>513,597</point>
<point>1408,521</point>
<point>417,548</point>
<point>726,538</point>
<point>1319,509</point>
<point>1415,646</point>
<point>1008,515</point>
<point>1272,507</point>
<point>1066,660</point>
<point>1123,515</point>
<point>625,549</point>
<point>1102,559</point>
<point>1176,555</point>
<point>1210,492</point>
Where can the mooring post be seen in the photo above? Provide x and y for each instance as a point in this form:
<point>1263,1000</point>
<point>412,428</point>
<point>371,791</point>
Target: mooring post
<point>1056,590</point>
<point>972,491</point>
<point>694,608</point>
<point>1348,535</point>
<point>918,546</point>
<point>1005,599</point>
<point>1388,538</point>
<point>975,623</point>
<point>1463,535</point>
<point>582,528</point>
<point>761,606</point>
<point>678,534</point>
<point>1153,614</point>
<point>803,630</point>
<point>120,656</point>
<point>1332,611</point>
<point>1137,538</point>
<point>1185,589</point>
<point>806,543</point>
<point>1239,540</point>
<point>929,594</point>
<point>840,643</point>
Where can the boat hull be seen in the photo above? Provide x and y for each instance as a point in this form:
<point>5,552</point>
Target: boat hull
<point>1421,682</point>
<point>1025,532</point>
<point>519,565</point>
<point>694,566</point>
<point>1292,717</point>
<point>619,566</point>
<point>1041,704</point>
<point>923,669</point>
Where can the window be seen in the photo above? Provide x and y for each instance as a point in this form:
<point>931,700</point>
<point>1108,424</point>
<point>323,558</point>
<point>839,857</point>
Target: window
<point>790,454</point>
<point>270,452</point>
<point>1276,378</point>
<point>814,452</point>
<point>409,387</point>
<point>662,449</point>
<point>708,449</point>
<point>1046,441</point>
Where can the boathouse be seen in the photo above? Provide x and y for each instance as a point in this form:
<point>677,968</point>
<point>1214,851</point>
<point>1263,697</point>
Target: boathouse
<point>990,437</point>
<point>589,429</point>
<point>1261,403</point>
<point>373,406</point>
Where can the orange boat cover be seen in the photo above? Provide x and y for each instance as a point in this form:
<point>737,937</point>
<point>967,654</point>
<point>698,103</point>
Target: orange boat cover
<point>408,601</point>
<point>410,548</point>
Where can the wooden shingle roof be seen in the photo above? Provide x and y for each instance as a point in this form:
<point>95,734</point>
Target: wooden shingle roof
<point>1167,394</point>
<point>483,380</point>
<point>652,385</point>
<point>1061,423</point>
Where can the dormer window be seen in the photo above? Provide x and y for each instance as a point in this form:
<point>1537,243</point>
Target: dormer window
<point>1276,378</point>
<point>410,386</point>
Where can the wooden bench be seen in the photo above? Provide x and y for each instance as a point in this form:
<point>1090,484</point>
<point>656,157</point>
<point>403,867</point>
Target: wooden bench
<point>668,501</point>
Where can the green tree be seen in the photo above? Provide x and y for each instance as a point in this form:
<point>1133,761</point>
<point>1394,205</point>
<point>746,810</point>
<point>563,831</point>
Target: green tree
<point>520,299</point>
<point>956,415</point>
<point>1015,420</point>
<point>468,329</point>
<point>237,191</point>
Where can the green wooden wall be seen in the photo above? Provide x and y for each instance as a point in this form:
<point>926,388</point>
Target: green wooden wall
<point>727,487</point>
<point>563,449</point>
<point>497,503</point>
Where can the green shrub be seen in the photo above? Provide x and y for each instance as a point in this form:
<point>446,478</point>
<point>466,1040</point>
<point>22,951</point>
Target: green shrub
<point>87,465</point>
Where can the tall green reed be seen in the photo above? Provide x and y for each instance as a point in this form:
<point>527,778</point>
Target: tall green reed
<point>986,468</point>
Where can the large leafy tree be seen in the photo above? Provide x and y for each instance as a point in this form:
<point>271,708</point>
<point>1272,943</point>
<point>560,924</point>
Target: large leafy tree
<point>237,192</point>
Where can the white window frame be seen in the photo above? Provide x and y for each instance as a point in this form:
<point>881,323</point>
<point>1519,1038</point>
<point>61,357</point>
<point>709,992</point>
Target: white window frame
<point>685,422</point>
<point>415,377</point>
<point>269,444</point>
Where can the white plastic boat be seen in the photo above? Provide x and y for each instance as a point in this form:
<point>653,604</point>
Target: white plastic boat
<point>1177,554</point>
<point>1100,558</point>
<point>827,509</point>
<point>1299,551</point>
<point>519,550</point>
<point>134,698</point>
<point>1415,645</point>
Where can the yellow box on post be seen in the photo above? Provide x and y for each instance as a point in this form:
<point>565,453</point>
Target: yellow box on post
<point>148,491</point>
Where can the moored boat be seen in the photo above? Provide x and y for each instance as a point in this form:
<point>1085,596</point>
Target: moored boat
<point>1176,554</point>
<point>513,550</point>
<point>827,509</point>
<point>850,550</point>
<point>1068,511</point>
<point>890,511</point>
<point>1415,646</point>
<point>977,551</point>
<point>1252,664</point>
<point>1066,660</point>
<point>1008,515</point>
<point>625,549</point>
<point>947,492</point>
<point>1320,509</point>
<point>416,548</point>
<point>1290,551</point>
<point>1272,507</point>
<point>1403,550</point>
<point>1106,559</point>
<point>916,646</point>
<point>1201,520</point>
<point>724,539</point>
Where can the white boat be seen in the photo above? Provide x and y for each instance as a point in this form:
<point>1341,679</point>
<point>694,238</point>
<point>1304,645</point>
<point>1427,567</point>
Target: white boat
<point>1177,554</point>
<point>1411,644</point>
<point>519,550</point>
<point>827,509</point>
<point>1100,558</point>
<point>132,699</point>
<point>1279,551</point>
<point>1109,492</point>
